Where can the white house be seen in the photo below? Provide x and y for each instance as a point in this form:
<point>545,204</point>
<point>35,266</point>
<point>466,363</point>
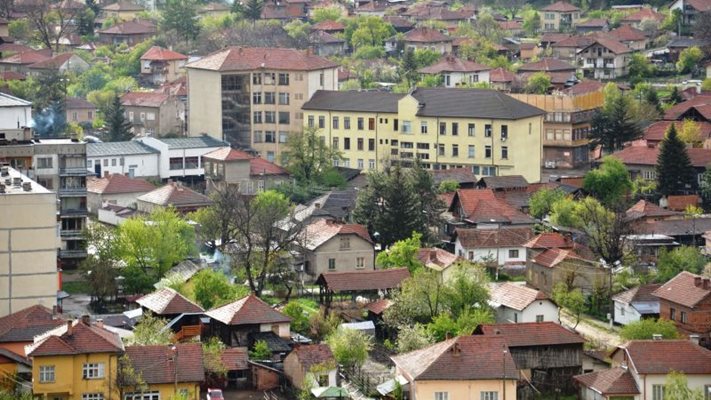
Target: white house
<point>516,303</point>
<point>133,158</point>
<point>182,157</point>
<point>456,72</point>
<point>604,59</point>
<point>635,304</point>
<point>15,114</point>
<point>504,245</point>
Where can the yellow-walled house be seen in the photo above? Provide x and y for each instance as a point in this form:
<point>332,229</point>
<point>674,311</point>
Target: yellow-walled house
<point>466,367</point>
<point>485,130</point>
<point>156,366</point>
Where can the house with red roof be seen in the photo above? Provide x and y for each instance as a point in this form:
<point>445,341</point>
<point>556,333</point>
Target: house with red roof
<point>160,65</point>
<point>129,32</point>
<point>369,284</point>
<point>636,18</point>
<point>690,10</point>
<point>19,329</point>
<point>501,79</point>
<point>686,300</point>
<point>116,189</point>
<point>333,246</point>
<point>173,194</point>
<point>503,246</point>
<point>239,323</point>
<point>20,61</point>
<point>251,174</point>
<point>311,366</point>
<point>167,372</point>
<point>61,63</point>
<point>154,113</point>
<point>698,108</point>
<point>482,209</point>
<point>456,71</point>
<point>516,303</point>
<point>630,36</point>
<point>167,303</point>
<point>605,58</point>
<point>439,260</point>
<point>560,16</point>
<point>641,161</point>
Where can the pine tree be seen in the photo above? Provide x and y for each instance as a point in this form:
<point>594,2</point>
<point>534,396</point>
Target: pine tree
<point>613,126</point>
<point>675,96</point>
<point>117,126</point>
<point>253,9</point>
<point>409,67</point>
<point>675,174</point>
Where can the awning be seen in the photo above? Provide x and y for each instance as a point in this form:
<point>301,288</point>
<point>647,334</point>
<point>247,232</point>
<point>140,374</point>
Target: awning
<point>388,386</point>
<point>329,392</point>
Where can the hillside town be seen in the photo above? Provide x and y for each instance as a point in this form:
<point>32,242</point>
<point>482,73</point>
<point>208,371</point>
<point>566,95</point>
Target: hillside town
<point>355,199</point>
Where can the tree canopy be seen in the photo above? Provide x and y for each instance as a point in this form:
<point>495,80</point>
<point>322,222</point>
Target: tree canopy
<point>675,174</point>
<point>609,183</point>
<point>645,329</point>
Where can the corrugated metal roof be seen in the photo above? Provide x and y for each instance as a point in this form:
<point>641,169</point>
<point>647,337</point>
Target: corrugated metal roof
<point>193,142</point>
<point>11,101</point>
<point>118,149</point>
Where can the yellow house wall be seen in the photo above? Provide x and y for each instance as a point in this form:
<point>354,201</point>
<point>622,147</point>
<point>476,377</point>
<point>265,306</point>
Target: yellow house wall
<point>167,390</point>
<point>462,390</point>
<point>205,103</point>
<point>68,375</point>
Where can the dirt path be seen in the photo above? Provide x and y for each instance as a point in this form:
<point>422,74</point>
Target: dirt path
<point>598,336</point>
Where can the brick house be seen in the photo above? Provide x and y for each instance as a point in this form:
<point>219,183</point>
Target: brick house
<point>686,300</point>
<point>159,65</point>
<point>330,246</point>
<point>154,114</point>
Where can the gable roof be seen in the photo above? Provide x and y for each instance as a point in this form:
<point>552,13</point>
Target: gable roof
<point>546,65</point>
<point>461,358</point>
<point>585,86</point>
<point>248,310</point>
<point>610,44</point>
<point>24,325</point>
<point>644,208</point>
<point>257,165</point>
<point>144,99</point>
<point>560,6</point>
<point>379,306</point>
<point>28,57</point>
<point>482,206</point>
<point>75,103</point>
<point>130,28</point>
<point>460,175</point>
<point>357,101</point>
<point>80,338</point>
<point>175,194</point>
<point>312,355</point>
<point>322,230</point>
<point>492,238</point>
<point>642,14</point>
<point>657,131</point>
<point>157,53</point>
<point>436,258</point>
<point>552,257</point>
<point>627,33</point>
<point>643,155</point>
<point>425,35</point>
<point>501,75</point>
<point>133,147</point>
<point>453,64</point>
<point>677,111</point>
<point>503,182</point>
<point>514,296</point>
<point>614,381</point>
<point>471,103</point>
<point>158,364</point>
<point>364,280</point>
<point>328,26</point>
<point>168,301</point>
<point>686,289</point>
<point>527,334</point>
<point>639,293</point>
<point>123,6</point>
<point>117,183</point>
<point>663,356</point>
<point>55,62</point>
<point>235,358</point>
<point>250,58</point>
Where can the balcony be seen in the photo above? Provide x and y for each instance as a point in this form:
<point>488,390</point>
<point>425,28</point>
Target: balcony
<point>73,212</point>
<point>188,332</point>
<point>77,253</point>
<point>72,191</point>
<point>70,233</point>
<point>74,171</point>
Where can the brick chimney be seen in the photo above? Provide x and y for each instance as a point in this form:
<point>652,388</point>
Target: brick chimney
<point>69,327</point>
<point>706,283</point>
<point>86,319</point>
<point>697,281</point>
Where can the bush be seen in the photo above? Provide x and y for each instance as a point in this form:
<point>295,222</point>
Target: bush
<point>646,328</point>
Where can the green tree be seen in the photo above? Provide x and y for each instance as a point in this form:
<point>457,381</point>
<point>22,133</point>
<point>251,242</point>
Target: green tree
<point>127,378</point>
<point>645,329</point>
<point>326,14</point>
<point>609,183</point>
<point>322,324</point>
<point>253,10</point>
<point>215,369</point>
<point>299,319</point>
<point>409,67</point>
<point>118,128</point>
<point>706,85</point>
<point>420,299</point>
<point>705,185</point>
<point>570,299</point>
<point>615,124</point>
<point>531,23</point>
<point>538,83</point>
<point>675,96</point>
<point>101,275</point>
<point>308,158</point>
<point>402,254</point>
<point>689,59</point>
<point>426,57</point>
<point>448,186</point>
<point>371,31</point>
<point>690,133</point>
<point>212,289</point>
<point>181,16</point>
<point>151,330</point>
<point>299,31</point>
<point>683,258</point>
<point>639,68</point>
<point>542,201</point>
<point>350,347</point>
<point>675,174</point>
<point>260,351</point>
<point>413,337</point>
<point>676,387</point>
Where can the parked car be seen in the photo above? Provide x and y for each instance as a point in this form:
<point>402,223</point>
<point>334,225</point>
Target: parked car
<point>214,394</point>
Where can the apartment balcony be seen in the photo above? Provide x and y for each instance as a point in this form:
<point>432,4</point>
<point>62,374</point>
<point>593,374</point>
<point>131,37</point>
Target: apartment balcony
<point>76,253</point>
<point>70,234</point>
<point>72,191</point>
<point>74,171</point>
<point>73,212</point>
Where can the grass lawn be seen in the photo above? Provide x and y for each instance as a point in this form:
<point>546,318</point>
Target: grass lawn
<point>309,305</point>
<point>76,287</point>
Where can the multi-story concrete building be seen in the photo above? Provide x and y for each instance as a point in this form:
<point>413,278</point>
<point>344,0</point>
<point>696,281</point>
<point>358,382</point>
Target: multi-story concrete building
<point>28,243</point>
<point>252,97</point>
<point>15,117</point>
<point>485,130</point>
<point>560,16</point>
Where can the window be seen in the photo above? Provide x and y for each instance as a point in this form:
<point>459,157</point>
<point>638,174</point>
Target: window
<point>270,156</point>
<point>331,264</point>
<point>257,79</point>
<point>284,117</point>
<point>440,149</point>
<point>504,132</point>
<point>622,310</point>
<point>539,318</point>
<point>395,123</point>
<point>346,143</point>
<point>487,151</point>
<point>707,392</point>
<point>513,253</point>
<point>143,116</point>
<point>192,162</point>
<point>93,371</point>
<point>371,124</point>
<point>346,122</point>
<point>504,153</point>
<point>176,163</point>
<point>323,380</point>
<point>334,122</point>
<point>44,162</point>
<point>154,395</point>
<point>74,116</point>
<point>406,127</point>
<point>335,143</point>
<point>113,162</point>
<point>321,122</point>
<point>258,137</point>
<point>423,127</point>
<point>360,163</point>
<point>455,128</point>
<point>455,150</point>
<point>657,392</point>
<point>151,116</point>
<point>360,262</point>
<point>284,79</point>
<point>371,164</point>
<point>442,128</point>
<point>471,129</point>
<point>283,136</point>
<point>441,396</point>
<point>257,117</point>
<point>92,396</point>
<point>487,130</point>
<point>489,395</point>
<point>311,121</point>
<point>284,99</point>
<point>46,373</point>
<point>269,117</point>
<point>684,319</point>
<point>106,162</point>
<point>269,137</point>
<point>130,116</point>
<point>471,151</point>
<point>360,123</point>
<point>269,98</point>
<point>371,144</point>
<point>320,79</point>
<point>360,143</point>
<point>672,314</point>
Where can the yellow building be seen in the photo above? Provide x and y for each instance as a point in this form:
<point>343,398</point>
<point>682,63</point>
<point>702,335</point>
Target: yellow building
<point>122,10</point>
<point>161,379</point>
<point>466,367</point>
<point>485,130</point>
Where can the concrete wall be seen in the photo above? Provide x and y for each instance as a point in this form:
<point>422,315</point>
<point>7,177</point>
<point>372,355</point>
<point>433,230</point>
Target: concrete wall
<point>501,254</point>
<point>425,390</point>
<point>546,308</point>
<point>345,259</point>
<point>625,313</point>
<point>143,165</point>
<point>15,117</point>
<point>205,103</point>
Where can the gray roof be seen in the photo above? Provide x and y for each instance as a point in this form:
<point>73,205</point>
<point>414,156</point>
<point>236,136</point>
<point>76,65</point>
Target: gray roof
<point>503,182</point>
<point>353,101</point>
<point>472,103</point>
<point>105,149</point>
<point>11,101</point>
<point>193,142</point>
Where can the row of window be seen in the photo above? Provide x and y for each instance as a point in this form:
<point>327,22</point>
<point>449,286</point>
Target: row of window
<point>360,263</point>
<point>270,136</point>
<point>270,78</point>
<point>271,98</point>
<point>683,318</point>
<point>271,117</point>
<point>89,371</point>
<point>488,395</point>
<point>360,143</point>
<point>360,163</point>
<point>142,116</point>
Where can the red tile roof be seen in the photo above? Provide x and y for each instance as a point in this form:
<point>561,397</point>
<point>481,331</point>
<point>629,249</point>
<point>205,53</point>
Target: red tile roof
<point>117,183</point>
<point>615,381</point>
<point>482,206</point>
<point>547,65</point>
<point>550,240</point>
<point>515,296</point>
<point>75,103</point>
<point>251,58</point>
<point>587,86</point>
<point>130,28</point>
<point>329,26</point>
<point>493,238</point>
<point>552,257</point>
<point>642,14</point>
<point>642,155</point>
<point>501,75</point>
<point>426,35</point>
<point>53,63</point>
<point>437,258</point>
<point>157,53</point>
<point>644,208</point>
<point>177,195</point>
<point>312,355</point>
<point>167,301</point>
<point>258,165</point>
<point>453,64</point>
<point>14,48</point>
<point>611,44</point>
<point>553,37</point>
<point>79,339</point>
<point>639,293</point>
<point>686,289</point>
<point>144,99</point>
<point>157,364</point>
<point>658,130</point>
<point>461,358</point>
<point>510,25</point>
<point>576,42</point>
<point>235,358</point>
<point>677,111</point>
<point>12,76</point>
<point>322,230</point>
<point>28,57</point>
<point>681,202</point>
<point>24,325</point>
<point>664,356</point>
<point>379,306</point>
<point>531,334</point>
<point>699,5</point>
<point>627,33</point>
<point>560,6</point>
<point>364,280</point>
<point>250,310</point>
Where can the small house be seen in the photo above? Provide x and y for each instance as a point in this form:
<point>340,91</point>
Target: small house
<point>311,366</point>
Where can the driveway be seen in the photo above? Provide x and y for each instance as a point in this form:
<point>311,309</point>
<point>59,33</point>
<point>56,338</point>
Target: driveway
<point>597,336</point>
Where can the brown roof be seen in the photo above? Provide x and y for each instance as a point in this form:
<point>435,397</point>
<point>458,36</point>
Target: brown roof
<point>627,33</point>
<point>123,6</point>
<point>379,306</point>
<point>167,301</point>
<point>686,289</point>
<point>481,205</point>
<point>320,231</point>
<point>550,240</point>
<point>531,334</point>
<point>79,339</point>
<point>510,25</point>
<point>437,258</point>
<point>680,202</point>
<point>642,14</point>
<point>493,238</point>
<point>552,257</point>
<point>158,53</point>
<point>612,45</point>
<point>658,130</point>
<point>453,64</point>
<point>576,41</point>
<point>313,354</point>
<point>235,358</point>
<point>664,356</point>
<point>144,99</point>
<point>501,75</point>
<point>52,63</point>
<point>251,58</point>
<point>644,208</point>
<point>250,310</point>
<point>547,65</point>
<point>515,296</point>
<point>75,103</point>
<point>130,28</point>
<point>553,37</point>
<point>586,86</point>
<point>460,175</point>
<point>458,359</point>
<point>175,194</point>
<point>328,26</point>
<point>364,280</point>
<point>24,325</point>
<point>258,166</point>
<point>560,6</point>
<point>700,103</point>
<point>158,364</point>
<point>12,76</point>
<point>699,5</point>
<point>426,35</point>
<point>639,293</point>
<point>14,48</point>
<point>643,155</point>
<point>283,11</point>
<point>117,183</point>
<point>28,57</point>
<point>615,381</point>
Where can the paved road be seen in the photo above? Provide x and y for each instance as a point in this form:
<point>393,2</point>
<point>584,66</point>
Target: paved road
<point>598,337</point>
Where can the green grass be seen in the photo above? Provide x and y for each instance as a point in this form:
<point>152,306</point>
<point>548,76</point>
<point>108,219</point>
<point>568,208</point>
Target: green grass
<point>76,287</point>
<point>309,305</point>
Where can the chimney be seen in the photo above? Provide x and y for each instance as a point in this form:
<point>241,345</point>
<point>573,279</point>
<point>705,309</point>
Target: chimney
<point>69,327</point>
<point>317,205</point>
<point>27,186</point>
<point>100,323</point>
<point>4,171</point>
<point>706,283</point>
<point>86,319</point>
<point>456,350</point>
<point>697,281</point>
<point>694,339</point>
<point>657,336</point>
<point>17,181</point>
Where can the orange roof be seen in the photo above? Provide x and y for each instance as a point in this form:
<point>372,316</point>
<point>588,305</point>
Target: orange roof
<point>177,195</point>
<point>642,14</point>
<point>80,338</point>
<point>117,183</point>
<point>250,58</point>
<point>130,28</point>
<point>319,232</point>
<point>547,65</point>
<point>627,33</point>
<point>501,75</point>
<point>453,64</point>
<point>28,57</point>
<point>380,279</point>
<point>158,53</point>
<point>681,202</point>
<point>550,240</point>
<point>250,310</point>
<point>23,325</point>
<point>257,165</point>
<point>561,6</point>
<point>426,35</point>
<point>482,206</point>
<point>328,26</point>
<point>144,99</point>
<point>437,258</point>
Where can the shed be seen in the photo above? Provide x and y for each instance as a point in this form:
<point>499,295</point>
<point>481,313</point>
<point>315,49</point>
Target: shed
<point>364,283</point>
<point>367,327</point>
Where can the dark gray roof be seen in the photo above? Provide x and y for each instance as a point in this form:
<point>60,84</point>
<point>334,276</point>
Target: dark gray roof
<point>362,101</point>
<point>105,149</point>
<point>685,42</point>
<point>274,342</point>
<point>675,227</point>
<point>503,182</point>
<point>472,103</point>
<point>193,142</point>
<point>337,204</point>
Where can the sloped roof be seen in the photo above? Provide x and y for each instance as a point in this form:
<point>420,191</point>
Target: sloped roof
<point>610,44</point>
<point>560,6</point>
<point>459,175</point>
<point>644,208</point>
<point>323,37</point>
<point>576,41</point>
<point>52,63</point>
<point>481,206</point>
<point>123,6</point>
<point>132,147</point>
<point>699,5</point>
<point>328,26</point>
<point>24,325</point>
<point>678,110</point>
<point>550,240</point>
<point>195,142</point>
<point>158,364</point>
<point>614,381</point>
<point>130,28</point>
<point>235,358</point>
<point>175,194</point>
<point>531,334</point>
<point>553,37</point>
<point>664,356</point>
<point>167,301</point>
<point>117,183</point>
<point>257,165</point>
<point>462,358</point>
<point>642,14</point>
<point>643,155</point>
<point>364,280</point>
<point>425,35</point>
<point>471,103</point>
<point>144,99</point>
<point>658,130</point>
<point>515,296</point>
<point>322,230</point>
<point>552,257</point>
<point>683,289</point>
<point>546,65</point>
<point>311,355</point>
<point>363,101</point>
<point>627,33</point>
<point>493,238</point>
<point>157,53</point>
<point>28,57</point>
<point>501,75</point>
<point>248,310</point>
<point>639,293</point>
<point>80,339</point>
<point>504,182</point>
<point>74,103</point>
<point>379,306</point>
<point>586,86</point>
<point>453,64</point>
<point>250,58</point>
<point>436,258</point>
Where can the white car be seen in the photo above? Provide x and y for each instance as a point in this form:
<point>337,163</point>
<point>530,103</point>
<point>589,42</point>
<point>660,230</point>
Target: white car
<point>214,394</point>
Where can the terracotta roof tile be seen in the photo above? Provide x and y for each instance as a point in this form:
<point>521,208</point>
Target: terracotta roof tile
<point>157,364</point>
<point>547,65</point>
<point>425,35</point>
<point>167,301</point>
<point>312,355</point>
<point>250,58</point>
<point>639,293</point>
<point>175,194</point>
<point>493,238</point>
<point>52,63</point>
<point>560,6</point>
<point>144,99</point>
<point>677,112</point>
<point>80,339</point>
<point>644,208</point>
<point>615,381</point>
<point>681,202</point>
<point>235,358</point>
<point>531,334</point>
<point>699,5</point>
<point>627,33</point>
<point>24,325</point>
<point>481,206</point>
<point>515,296</point>
<point>329,26</point>
<point>130,28</point>
<point>501,75</point>
<point>117,183</point>
<point>610,44</point>
<point>576,42</point>
<point>643,155</point>
<point>664,356</point>
<point>642,14</point>
<point>436,258</point>
<point>258,165</point>
<point>248,310</point>
<point>453,64</point>
<point>28,57</point>
<point>157,53</point>
<point>364,280</point>
<point>686,289</point>
<point>379,306</point>
<point>586,86</point>
<point>322,230</point>
<point>553,37</point>
<point>658,130</point>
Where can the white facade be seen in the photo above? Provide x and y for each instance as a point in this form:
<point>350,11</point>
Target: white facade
<point>625,313</point>
<point>538,311</point>
<point>15,114</point>
<point>135,165</point>
<point>166,169</point>
<point>503,255</point>
<point>454,79</point>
